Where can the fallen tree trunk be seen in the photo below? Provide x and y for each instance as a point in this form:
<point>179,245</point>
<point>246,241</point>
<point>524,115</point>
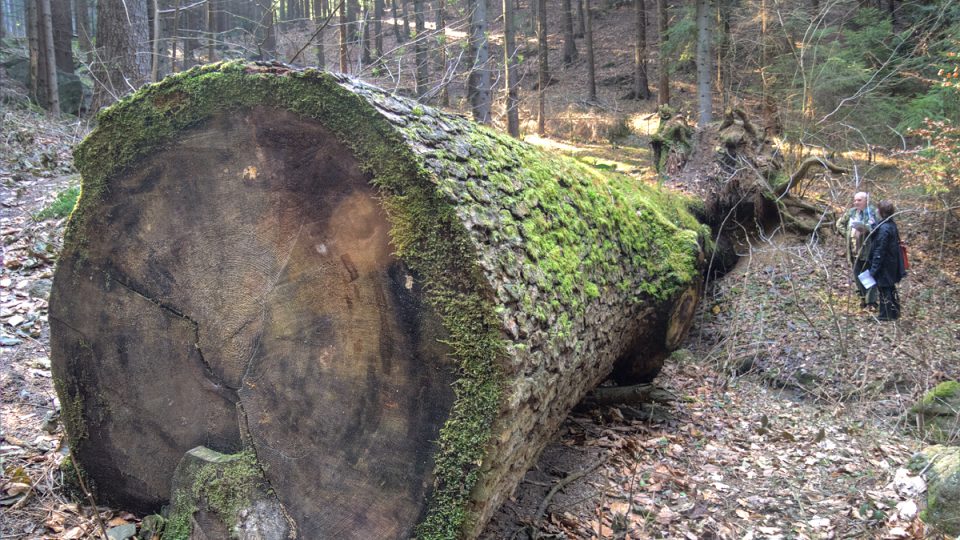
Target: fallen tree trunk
<point>391,308</point>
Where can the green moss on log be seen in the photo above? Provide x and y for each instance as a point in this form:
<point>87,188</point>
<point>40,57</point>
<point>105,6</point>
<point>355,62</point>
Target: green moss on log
<point>575,222</point>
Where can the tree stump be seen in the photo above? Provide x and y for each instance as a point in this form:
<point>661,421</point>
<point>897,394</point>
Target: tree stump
<point>391,308</point>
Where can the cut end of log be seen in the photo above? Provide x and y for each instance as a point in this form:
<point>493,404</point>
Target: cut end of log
<point>253,257</point>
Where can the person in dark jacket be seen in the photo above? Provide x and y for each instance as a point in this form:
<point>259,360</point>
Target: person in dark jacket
<point>886,264</point>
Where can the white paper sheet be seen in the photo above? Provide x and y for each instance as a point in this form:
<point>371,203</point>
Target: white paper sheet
<point>867,279</point>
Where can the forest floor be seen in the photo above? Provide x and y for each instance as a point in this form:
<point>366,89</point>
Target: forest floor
<point>791,411</point>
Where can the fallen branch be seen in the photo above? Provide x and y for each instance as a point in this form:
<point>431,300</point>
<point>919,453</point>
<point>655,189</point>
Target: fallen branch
<point>542,509</point>
<point>626,395</point>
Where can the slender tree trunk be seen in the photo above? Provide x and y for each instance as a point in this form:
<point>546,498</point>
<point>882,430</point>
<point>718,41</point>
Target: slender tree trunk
<point>344,61</point>
<point>510,69</point>
<point>33,41</point>
<point>378,30</point>
<point>53,89</point>
<point>3,23</point>
<point>768,104</point>
<point>723,48</point>
<point>353,22</point>
<point>543,73</point>
<point>319,17</point>
<point>398,35</point>
<point>155,56</point>
<point>663,72</point>
<point>173,36</point>
<point>405,7</point>
<point>444,97</point>
<point>641,89</point>
<point>478,87</point>
<point>270,41</point>
<point>569,45</point>
<point>591,70</point>
<point>84,31</point>
<point>581,23</point>
<point>420,48</point>
<point>365,39</point>
<point>210,23</point>
<point>704,60</point>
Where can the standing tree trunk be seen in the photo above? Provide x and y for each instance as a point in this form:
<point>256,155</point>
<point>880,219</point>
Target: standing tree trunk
<point>33,44</point>
<point>344,29</point>
<point>663,70</point>
<point>122,63</point>
<point>768,104</point>
<point>569,45</point>
<point>301,271</point>
<point>581,23</point>
<point>84,30</point>
<point>378,31</point>
<point>268,45</point>
<point>155,56</point>
<point>210,24</point>
<point>444,97</point>
<point>397,34</point>
<point>478,87</point>
<point>543,73</point>
<point>365,59</point>
<point>405,7</point>
<point>510,69</point>
<point>319,18</point>
<point>62,15</point>
<point>420,50</point>
<point>704,63</point>
<point>591,69</point>
<point>53,89</point>
<point>174,34</point>
<point>723,69</point>
<point>641,89</point>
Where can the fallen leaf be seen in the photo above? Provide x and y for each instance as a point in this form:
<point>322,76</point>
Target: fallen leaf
<point>73,534</point>
<point>665,516</point>
<point>16,488</point>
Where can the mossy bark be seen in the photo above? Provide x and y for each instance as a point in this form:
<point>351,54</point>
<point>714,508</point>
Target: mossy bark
<point>346,282</point>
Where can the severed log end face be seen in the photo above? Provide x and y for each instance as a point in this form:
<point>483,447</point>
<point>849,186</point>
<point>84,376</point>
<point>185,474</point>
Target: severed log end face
<point>238,289</point>
<point>655,339</point>
<point>681,317</point>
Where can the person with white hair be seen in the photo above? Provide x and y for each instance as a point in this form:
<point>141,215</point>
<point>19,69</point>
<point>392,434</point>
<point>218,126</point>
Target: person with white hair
<point>856,224</point>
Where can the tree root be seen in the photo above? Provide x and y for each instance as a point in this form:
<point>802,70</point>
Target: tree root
<point>804,168</point>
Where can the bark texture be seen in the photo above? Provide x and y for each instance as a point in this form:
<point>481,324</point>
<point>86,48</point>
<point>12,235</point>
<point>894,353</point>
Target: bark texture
<point>391,308</point>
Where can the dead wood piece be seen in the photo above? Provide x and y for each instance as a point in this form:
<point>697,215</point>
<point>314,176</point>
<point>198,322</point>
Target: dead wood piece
<point>804,168</point>
<point>566,481</point>
<point>347,285</point>
<point>627,395</point>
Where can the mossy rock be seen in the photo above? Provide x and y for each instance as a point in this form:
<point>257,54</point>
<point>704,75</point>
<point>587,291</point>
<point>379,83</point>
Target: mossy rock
<point>938,413</point>
<point>224,496</point>
<point>942,466</point>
